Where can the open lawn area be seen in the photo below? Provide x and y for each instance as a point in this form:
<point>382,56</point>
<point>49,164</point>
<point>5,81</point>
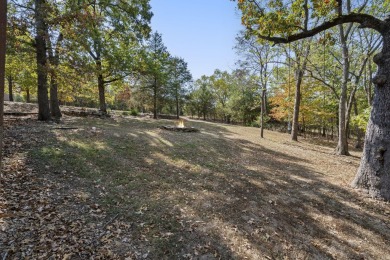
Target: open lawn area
<point>122,188</point>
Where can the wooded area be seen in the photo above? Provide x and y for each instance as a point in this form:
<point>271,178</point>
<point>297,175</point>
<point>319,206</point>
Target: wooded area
<point>317,70</point>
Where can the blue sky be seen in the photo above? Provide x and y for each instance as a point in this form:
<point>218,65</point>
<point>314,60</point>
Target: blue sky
<point>200,31</point>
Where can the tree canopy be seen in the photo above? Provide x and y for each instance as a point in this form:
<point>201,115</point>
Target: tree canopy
<point>284,22</point>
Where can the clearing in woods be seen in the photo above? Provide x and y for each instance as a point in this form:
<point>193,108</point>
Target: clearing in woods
<point>132,190</point>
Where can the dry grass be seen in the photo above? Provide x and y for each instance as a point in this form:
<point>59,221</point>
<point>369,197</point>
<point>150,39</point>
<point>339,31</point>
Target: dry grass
<point>223,193</point>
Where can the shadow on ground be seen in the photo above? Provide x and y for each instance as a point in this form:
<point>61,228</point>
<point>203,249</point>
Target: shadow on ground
<point>207,195</point>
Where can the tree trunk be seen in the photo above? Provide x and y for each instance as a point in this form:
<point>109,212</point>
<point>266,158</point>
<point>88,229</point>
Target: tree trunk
<point>297,103</point>
<point>3,34</point>
<point>155,99</point>
<point>10,88</point>
<point>369,88</point>
<point>102,95</point>
<point>54,62</point>
<point>374,171</point>
<point>349,109</point>
<point>262,112</point>
<point>342,146</point>
<point>40,45</point>
<point>101,88</point>
<point>54,104</point>
<point>177,105</point>
<point>332,128</point>
<point>28,99</point>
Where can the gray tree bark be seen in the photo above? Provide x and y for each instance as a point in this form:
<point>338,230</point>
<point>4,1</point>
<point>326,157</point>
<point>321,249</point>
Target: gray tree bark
<point>374,171</point>
<point>263,106</point>
<point>342,145</point>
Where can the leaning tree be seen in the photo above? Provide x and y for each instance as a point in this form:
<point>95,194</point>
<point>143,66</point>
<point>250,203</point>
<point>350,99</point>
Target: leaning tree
<point>288,21</point>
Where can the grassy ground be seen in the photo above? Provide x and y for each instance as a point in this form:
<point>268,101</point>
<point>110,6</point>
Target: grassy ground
<point>123,187</point>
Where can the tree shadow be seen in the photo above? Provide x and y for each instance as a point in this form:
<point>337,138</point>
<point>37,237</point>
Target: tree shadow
<point>213,194</point>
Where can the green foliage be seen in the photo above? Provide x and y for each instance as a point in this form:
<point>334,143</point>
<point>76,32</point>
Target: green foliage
<point>165,78</point>
<point>277,17</point>
<point>229,97</point>
<point>137,69</point>
<point>361,120</point>
<point>134,112</point>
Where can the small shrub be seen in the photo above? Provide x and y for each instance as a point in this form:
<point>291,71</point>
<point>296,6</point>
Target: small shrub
<point>126,113</point>
<point>134,112</point>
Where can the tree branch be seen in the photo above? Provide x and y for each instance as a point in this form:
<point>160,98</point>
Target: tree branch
<point>365,21</point>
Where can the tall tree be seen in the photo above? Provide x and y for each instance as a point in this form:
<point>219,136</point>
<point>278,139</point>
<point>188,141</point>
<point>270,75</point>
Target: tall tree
<point>110,33</point>
<point>179,76</point>
<point>41,13</point>
<point>204,97</point>
<point>156,59</point>
<point>3,35</point>
<point>245,97</point>
<point>222,87</point>
<point>32,22</point>
<point>54,58</point>
<point>301,63</point>
<point>257,57</point>
<point>260,19</point>
<point>21,62</point>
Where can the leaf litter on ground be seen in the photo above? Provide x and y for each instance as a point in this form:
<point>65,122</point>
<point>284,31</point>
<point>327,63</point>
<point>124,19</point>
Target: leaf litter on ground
<point>219,194</point>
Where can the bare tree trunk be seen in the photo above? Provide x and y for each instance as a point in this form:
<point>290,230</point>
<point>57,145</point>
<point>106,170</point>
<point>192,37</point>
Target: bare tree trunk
<point>54,62</point>
<point>101,87</point>
<point>368,82</point>
<point>40,45</point>
<point>342,146</point>
<point>262,111</point>
<point>332,128</point>
<point>155,99</point>
<point>54,104</point>
<point>297,104</point>
<point>358,144</point>
<point>10,88</point>
<point>349,108</point>
<point>28,99</point>
<point>102,95</point>
<point>369,87</point>
<point>177,104</point>
<point>3,34</point>
<point>374,171</point>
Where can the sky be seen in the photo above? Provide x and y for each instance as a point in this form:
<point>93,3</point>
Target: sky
<point>200,31</point>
